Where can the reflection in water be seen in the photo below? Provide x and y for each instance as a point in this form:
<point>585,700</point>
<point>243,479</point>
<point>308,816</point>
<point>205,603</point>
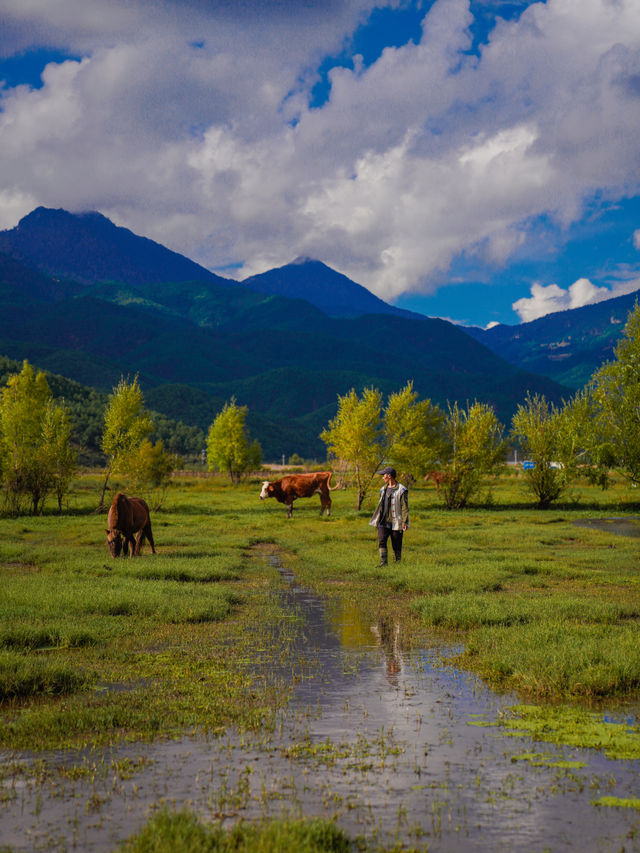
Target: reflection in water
<point>387,632</point>
<point>387,741</point>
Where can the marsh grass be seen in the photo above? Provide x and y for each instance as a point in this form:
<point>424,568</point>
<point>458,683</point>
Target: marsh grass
<point>169,832</point>
<point>574,726</point>
<point>22,676</point>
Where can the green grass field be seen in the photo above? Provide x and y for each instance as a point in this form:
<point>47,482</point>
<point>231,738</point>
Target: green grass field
<point>95,650</point>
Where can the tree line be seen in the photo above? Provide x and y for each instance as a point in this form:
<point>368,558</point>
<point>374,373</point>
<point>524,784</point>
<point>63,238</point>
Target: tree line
<point>595,432</point>
<point>38,457</point>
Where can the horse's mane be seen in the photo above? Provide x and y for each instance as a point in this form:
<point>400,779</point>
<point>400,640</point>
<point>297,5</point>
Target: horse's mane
<point>117,504</point>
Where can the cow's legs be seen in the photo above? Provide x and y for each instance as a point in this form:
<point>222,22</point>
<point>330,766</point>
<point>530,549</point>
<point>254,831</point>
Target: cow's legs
<point>325,504</point>
<point>289,509</point>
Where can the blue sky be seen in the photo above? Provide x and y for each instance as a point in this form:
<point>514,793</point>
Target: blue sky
<point>477,160</point>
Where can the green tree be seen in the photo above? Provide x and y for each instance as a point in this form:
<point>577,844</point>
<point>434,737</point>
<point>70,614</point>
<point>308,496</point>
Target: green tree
<point>228,447</point>
<point>126,424</point>
<point>614,394</point>
<point>355,437</point>
<point>595,450</point>
<point>473,447</point>
<point>412,433</point>
<point>35,455</point>
<point>548,436</point>
<point>58,455</point>
<point>150,469</point>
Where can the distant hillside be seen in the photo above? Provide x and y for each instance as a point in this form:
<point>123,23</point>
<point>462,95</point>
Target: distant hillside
<point>567,346</point>
<point>86,407</point>
<point>330,291</point>
<point>89,248</point>
<point>284,367</point>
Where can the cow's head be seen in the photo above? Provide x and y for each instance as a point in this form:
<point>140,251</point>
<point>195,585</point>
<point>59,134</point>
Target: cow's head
<point>114,541</point>
<point>267,490</point>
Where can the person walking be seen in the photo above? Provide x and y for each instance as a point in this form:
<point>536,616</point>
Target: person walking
<point>392,515</point>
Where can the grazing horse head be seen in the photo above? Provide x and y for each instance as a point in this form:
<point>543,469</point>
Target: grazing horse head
<point>114,541</point>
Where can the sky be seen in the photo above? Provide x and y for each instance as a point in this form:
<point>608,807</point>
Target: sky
<point>477,160</point>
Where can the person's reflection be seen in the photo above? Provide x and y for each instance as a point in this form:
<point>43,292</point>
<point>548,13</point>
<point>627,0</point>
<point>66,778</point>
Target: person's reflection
<point>387,632</point>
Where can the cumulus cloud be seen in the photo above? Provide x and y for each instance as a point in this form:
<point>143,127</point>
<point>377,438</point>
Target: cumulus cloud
<point>190,122</point>
<point>547,300</point>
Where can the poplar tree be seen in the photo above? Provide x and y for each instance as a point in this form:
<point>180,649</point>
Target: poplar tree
<point>473,447</point>
<point>547,436</point>
<point>35,454</point>
<point>126,424</point>
<point>228,447</point>
<point>412,433</point>
<point>355,437</point>
<point>613,437</point>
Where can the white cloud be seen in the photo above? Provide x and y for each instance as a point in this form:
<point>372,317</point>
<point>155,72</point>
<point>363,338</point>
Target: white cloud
<point>189,122</point>
<point>547,300</point>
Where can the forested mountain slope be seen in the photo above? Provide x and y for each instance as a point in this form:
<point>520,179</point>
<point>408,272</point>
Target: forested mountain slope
<point>567,346</point>
<point>197,341</point>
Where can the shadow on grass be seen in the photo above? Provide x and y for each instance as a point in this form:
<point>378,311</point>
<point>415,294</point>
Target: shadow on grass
<point>571,506</point>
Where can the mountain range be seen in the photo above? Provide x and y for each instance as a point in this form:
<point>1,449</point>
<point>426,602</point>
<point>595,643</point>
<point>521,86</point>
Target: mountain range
<point>567,346</point>
<point>91,301</point>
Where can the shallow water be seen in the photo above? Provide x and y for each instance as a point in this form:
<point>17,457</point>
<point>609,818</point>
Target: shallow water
<point>379,737</point>
<point>629,526</point>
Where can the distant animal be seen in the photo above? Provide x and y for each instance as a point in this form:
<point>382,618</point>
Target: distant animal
<point>437,477</point>
<point>294,486</point>
<point>128,524</point>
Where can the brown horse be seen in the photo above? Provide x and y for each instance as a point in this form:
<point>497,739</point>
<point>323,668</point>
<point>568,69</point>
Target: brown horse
<point>128,524</point>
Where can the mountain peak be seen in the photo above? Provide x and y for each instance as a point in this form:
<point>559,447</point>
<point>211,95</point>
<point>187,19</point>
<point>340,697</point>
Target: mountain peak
<point>330,291</point>
<point>89,248</point>
<point>48,217</point>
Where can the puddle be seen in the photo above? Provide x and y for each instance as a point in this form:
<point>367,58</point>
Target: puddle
<point>629,526</point>
<point>376,736</point>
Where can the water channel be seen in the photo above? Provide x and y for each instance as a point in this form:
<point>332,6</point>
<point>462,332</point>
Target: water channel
<point>390,742</point>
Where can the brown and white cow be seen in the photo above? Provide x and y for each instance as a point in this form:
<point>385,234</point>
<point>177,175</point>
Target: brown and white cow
<point>128,520</point>
<point>295,486</point>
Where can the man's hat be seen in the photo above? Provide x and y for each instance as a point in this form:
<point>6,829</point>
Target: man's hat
<point>388,470</point>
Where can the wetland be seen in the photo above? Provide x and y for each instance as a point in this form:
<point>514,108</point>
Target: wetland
<point>481,695</point>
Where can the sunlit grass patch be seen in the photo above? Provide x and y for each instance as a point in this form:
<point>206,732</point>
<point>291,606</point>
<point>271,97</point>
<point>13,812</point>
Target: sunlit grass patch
<point>22,677</point>
<point>182,831</point>
<point>618,802</point>
<point>557,659</point>
<point>27,636</point>
<point>542,759</point>
<point>574,727</point>
<point>455,611</point>
<point>209,568</point>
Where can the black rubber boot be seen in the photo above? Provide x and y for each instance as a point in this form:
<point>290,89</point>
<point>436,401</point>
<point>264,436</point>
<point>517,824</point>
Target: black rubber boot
<point>383,557</point>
